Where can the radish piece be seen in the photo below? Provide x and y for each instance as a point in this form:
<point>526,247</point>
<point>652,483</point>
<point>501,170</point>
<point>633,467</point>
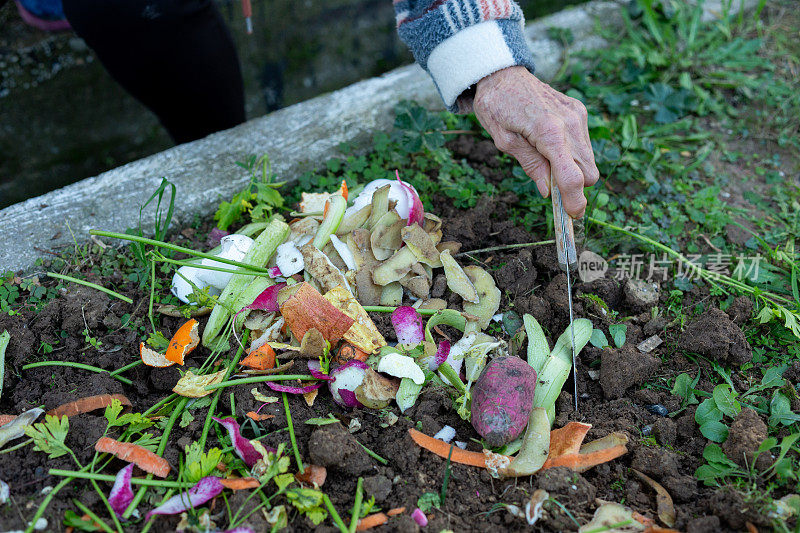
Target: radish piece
<point>215,236</point>
<point>204,490</point>
<point>419,517</point>
<point>292,389</point>
<point>446,434</point>
<point>315,369</point>
<point>267,300</point>
<point>455,358</point>
<point>275,272</point>
<point>347,378</point>
<point>401,366</point>
<point>243,447</point>
<point>289,259</point>
<point>441,356</point>
<point>398,192</point>
<point>416,214</point>
<point>121,494</point>
<point>344,252</point>
<point>407,324</point>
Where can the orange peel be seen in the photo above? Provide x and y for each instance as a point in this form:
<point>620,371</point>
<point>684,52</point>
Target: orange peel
<point>152,358</point>
<point>183,342</point>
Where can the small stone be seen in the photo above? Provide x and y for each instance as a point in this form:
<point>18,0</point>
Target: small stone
<point>640,294</point>
<point>657,409</point>
<point>40,524</point>
<point>649,344</point>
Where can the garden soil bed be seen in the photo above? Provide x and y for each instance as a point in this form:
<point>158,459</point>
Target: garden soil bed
<point>531,283</point>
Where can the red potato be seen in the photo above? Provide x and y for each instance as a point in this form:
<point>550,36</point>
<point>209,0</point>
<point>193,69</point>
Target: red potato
<point>502,400</point>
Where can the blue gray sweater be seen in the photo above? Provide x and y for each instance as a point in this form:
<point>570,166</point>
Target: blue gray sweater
<point>459,42</point>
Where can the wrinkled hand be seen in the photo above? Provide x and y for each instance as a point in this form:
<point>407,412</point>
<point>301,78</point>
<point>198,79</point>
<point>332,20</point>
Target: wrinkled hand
<point>543,129</point>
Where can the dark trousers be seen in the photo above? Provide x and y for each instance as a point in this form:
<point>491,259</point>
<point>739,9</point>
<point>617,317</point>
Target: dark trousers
<point>177,57</point>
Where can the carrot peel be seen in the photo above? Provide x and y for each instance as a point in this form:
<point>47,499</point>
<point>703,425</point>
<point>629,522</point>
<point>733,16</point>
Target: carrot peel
<point>370,521</point>
<point>442,449</point>
<point>133,453</point>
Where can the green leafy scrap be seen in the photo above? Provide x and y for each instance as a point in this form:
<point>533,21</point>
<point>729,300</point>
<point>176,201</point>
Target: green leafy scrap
<point>309,502</point>
<point>200,464</point>
<point>50,436</point>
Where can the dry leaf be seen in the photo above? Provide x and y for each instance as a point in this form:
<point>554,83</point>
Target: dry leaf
<point>666,509</point>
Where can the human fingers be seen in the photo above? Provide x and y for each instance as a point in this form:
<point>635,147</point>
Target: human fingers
<point>550,139</point>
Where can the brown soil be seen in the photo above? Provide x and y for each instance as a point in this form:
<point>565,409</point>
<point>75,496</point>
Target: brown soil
<point>531,283</point>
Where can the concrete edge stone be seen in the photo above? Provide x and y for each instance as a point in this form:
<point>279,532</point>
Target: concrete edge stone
<point>297,138</point>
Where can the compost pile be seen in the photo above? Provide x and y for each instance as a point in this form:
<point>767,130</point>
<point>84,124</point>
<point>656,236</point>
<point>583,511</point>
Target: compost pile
<point>359,342</point>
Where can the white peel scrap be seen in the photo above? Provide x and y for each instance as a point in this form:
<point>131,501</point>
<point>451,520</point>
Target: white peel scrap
<point>16,428</point>
<point>289,259</point>
<point>233,247</point>
<point>446,434</point>
<point>344,252</point>
<point>401,366</point>
<point>272,333</point>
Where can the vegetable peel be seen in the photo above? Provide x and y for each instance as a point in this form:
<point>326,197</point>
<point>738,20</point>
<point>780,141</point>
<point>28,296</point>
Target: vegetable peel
<point>183,342</point>
<point>133,453</point>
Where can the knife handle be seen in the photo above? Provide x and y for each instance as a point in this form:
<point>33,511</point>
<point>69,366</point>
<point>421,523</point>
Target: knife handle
<point>564,230</point>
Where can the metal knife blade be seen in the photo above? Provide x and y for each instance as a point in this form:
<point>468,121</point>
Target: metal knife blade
<point>567,260</point>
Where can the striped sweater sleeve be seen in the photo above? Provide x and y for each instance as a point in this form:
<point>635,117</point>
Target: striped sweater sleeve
<point>459,42</point>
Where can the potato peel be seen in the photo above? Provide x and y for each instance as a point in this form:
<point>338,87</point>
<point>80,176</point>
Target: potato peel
<point>320,267</point>
<point>488,295</point>
<point>394,268</point>
<point>457,279</point>
<point>421,245</point>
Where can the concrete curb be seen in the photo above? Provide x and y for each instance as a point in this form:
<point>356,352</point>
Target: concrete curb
<point>296,138</point>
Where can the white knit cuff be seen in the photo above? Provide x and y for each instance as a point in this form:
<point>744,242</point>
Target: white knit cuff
<point>470,55</point>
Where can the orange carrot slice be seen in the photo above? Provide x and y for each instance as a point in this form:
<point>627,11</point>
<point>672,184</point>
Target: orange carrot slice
<point>347,351</point>
<point>442,449</point>
<point>88,404</point>
<point>313,475</point>
<point>396,511</point>
<point>183,342</point>
<point>307,309</point>
<point>262,358</point>
<point>258,417</point>
<point>568,439</point>
<point>133,453</point>
<point>370,521</point>
<point>240,483</point>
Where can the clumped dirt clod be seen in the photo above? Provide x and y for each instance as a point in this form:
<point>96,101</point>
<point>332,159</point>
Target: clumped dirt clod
<point>333,447</point>
<point>714,335</point>
<point>623,368</point>
<point>746,434</point>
